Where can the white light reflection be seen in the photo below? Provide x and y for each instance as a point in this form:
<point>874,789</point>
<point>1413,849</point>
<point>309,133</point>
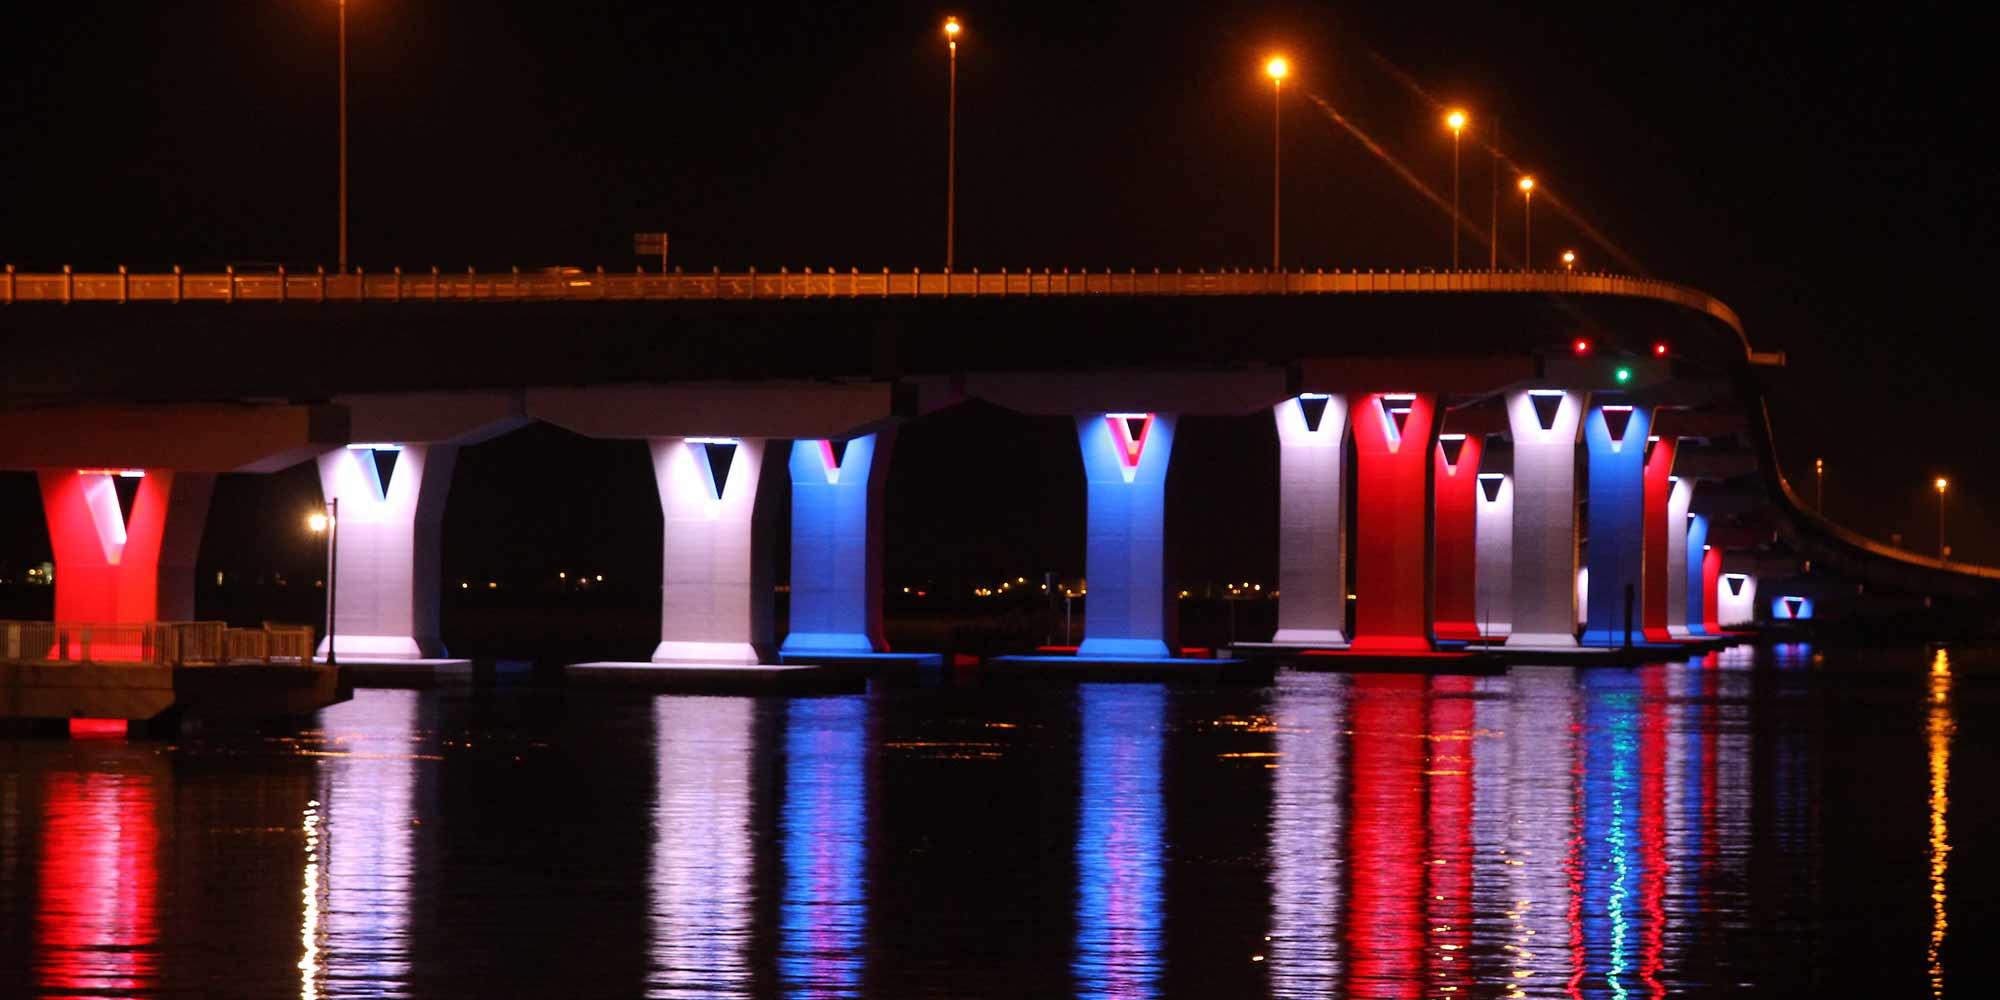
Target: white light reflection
<point>1492,814</point>
<point>1307,842</point>
<point>368,792</point>
<point>1545,830</point>
<point>309,899</point>
<point>702,882</point>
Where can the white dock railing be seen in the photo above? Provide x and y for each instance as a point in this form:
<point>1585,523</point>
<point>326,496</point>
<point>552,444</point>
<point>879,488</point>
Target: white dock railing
<point>172,644</point>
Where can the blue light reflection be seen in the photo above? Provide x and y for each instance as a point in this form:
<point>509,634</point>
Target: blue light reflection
<point>823,917</point>
<point>1119,894</point>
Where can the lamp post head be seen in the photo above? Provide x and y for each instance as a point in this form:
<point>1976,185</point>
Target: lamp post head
<point>1455,121</point>
<point>1569,257</point>
<point>1941,484</point>
<point>1277,68</point>
<point>316,524</point>
<point>951,30</point>
<point>1527,185</point>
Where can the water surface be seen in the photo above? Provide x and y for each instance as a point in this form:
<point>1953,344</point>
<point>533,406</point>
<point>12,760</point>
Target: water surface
<point>1781,820</point>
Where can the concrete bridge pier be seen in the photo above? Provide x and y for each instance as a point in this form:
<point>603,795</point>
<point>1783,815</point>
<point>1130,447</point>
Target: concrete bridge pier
<point>836,580</point>
<point>1657,568</point>
<point>715,578</point>
<point>125,491</point>
<point>1128,614</point>
<point>1394,436</point>
<point>1615,436</point>
<point>1493,578</point>
<point>1544,427</point>
<point>1736,589</point>
<point>1680,496</point>
<point>1125,424</point>
<point>115,567</point>
<point>1312,521</point>
<point>391,529</point>
<point>1456,495</point>
<point>1701,578</point>
<point>716,449</point>
<point>392,478</point>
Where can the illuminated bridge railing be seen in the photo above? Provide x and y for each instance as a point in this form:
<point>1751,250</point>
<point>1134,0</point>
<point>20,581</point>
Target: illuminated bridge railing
<point>579,286</point>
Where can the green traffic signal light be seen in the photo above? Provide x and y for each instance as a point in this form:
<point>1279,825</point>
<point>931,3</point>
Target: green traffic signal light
<point>1622,374</point>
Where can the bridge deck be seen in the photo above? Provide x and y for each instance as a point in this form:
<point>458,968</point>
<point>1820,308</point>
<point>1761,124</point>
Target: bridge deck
<point>516,286</point>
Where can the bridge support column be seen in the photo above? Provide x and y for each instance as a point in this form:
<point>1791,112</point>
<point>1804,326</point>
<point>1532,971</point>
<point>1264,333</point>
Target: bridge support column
<point>1735,592</point>
<point>715,578</point>
<point>1454,589</point>
<point>1127,613</point>
<point>836,580</point>
<point>116,569</point>
<point>1680,494</point>
<point>1615,436</point>
<point>1699,581</point>
<point>1493,578</point>
<point>1394,434</point>
<point>1544,424</point>
<point>1711,583</point>
<point>1658,569</point>
<point>1312,521</point>
<point>391,535</point>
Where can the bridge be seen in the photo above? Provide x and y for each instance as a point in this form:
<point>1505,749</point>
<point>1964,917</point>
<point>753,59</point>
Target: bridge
<point>1452,410</point>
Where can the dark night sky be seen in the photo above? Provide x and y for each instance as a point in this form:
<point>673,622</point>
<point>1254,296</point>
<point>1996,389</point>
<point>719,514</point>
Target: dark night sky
<point>1814,169</point>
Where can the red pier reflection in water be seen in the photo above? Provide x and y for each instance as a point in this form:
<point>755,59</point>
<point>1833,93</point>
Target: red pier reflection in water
<point>96,928</point>
<point>1385,838</point>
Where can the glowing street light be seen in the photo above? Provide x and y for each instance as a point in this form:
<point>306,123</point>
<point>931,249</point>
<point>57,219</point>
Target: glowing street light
<point>1569,260</point>
<point>328,524</point>
<point>1941,484</point>
<point>1819,486</point>
<point>1527,186</point>
<point>951,30</point>
<point>1276,68</point>
<point>1456,122</point>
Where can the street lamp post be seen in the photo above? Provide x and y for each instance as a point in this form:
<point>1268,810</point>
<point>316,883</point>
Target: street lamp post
<point>329,523</point>
<point>1527,186</point>
<point>1569,260</point>
<point>1456,120</point>
<point>1277,68</point>
<point>951,30</point>
<point>1819,486</point>
<point>343,139</point>
<point>1941,484</point>
<point>1493,225</point>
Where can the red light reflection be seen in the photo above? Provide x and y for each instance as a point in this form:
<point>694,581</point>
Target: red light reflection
<point>96,926</point>
<point>1386,845</point>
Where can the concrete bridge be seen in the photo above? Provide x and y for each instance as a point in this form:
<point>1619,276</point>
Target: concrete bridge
<point>1453,411</point>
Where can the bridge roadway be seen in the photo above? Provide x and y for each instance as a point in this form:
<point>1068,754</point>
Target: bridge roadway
<point>701,362</point>
<point>312,338</point>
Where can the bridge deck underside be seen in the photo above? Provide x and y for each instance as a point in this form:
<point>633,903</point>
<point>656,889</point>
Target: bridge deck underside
<point>310,351</point>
